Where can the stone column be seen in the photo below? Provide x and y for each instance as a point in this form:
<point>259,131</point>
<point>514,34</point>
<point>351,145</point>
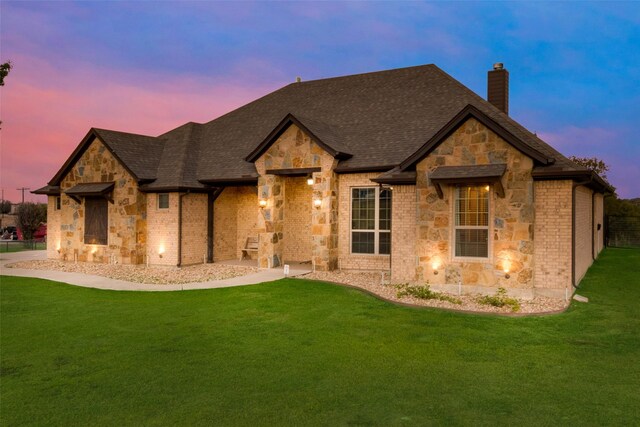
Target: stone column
<point>324,221</point>
<point>270,221</point>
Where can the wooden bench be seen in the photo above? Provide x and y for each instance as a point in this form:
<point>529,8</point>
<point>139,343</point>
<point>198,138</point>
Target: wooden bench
<point>251,245</point>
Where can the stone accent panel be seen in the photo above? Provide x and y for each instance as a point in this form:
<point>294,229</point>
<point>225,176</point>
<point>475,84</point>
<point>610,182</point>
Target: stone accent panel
<point>403,234</point>
<point>583,230</point>
<point>347,260</point>
<point>552,247</point>
<point>295,149</point>
<point>162,248</point>
<point>54,241</point>
<point>511,218</point>
<point>127,216</point>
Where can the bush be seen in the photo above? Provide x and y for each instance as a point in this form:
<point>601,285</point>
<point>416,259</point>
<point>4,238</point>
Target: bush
<point>500,299</point>
<point>424,292</point>
<point>30,216</point>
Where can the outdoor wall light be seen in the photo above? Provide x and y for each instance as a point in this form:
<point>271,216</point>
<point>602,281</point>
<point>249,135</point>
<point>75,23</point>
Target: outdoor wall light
<point>262,203</point>
<point>58,247</point>
<point>93,250</point>
<point>435,265</point>
<point>317,203</point>
<point>310,180</point>
<point>506,266</point>
<point>161,250</point>
<point>486,188</point>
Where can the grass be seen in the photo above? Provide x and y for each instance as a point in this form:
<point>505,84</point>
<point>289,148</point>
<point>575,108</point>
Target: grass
<point>18,246</point>
<point>294,352</point>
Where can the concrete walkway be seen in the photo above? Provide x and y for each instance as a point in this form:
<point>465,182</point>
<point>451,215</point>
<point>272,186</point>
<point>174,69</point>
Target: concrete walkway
<point>100,282</point>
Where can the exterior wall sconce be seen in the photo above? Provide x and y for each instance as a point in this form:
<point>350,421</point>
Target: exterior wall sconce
<point>161,251</point>
<point>317,202</point>
<point>435,265</point>
<point>310,180</point>
<point>486,188</point>
<point>506,266</point>
<point>58,247</point>
<point>262,203</point>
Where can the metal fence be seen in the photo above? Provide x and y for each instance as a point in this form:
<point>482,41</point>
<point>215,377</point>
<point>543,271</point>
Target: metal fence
<point>21,245</point>
<point>622,231</point>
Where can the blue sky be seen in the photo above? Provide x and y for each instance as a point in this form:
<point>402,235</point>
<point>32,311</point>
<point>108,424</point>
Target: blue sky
<point>149,66</point>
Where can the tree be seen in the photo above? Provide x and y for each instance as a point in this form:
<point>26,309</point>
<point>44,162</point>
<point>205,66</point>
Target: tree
<point>4,71</point>
<point>5,206</point>
<point>30,216</point>
<point>593,163</point>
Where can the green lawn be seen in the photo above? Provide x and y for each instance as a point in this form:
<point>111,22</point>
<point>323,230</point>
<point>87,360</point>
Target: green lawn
<point>307,353</point>
<point>17,246</point>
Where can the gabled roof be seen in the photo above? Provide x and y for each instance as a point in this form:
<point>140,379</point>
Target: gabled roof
<point>138,154</point>
<point>469,111</point>
<point>321,133</point>
<point>370,122</point>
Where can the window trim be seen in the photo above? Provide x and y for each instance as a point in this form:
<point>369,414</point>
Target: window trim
<point>158,207</point>
<point>376,230</point>
<point>488,227</point>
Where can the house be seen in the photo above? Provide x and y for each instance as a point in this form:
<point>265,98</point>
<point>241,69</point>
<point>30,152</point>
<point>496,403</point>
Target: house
<point>405,171</point>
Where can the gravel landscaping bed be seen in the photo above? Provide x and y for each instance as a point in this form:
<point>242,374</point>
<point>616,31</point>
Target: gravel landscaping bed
<point>371,282</point>
<point>142,273</point>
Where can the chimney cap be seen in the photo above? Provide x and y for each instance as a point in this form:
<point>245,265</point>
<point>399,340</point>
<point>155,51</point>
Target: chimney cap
<point>498,66</point>
<point>298,79</point>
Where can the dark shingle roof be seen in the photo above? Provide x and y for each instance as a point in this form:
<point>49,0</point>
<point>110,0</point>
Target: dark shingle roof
<point>376,120</point>
<point>471,171</point>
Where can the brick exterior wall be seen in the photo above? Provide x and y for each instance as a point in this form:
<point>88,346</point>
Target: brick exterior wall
<point>127,226</point>
<point>583,230</point>
<point>235,213</point>
<point>194,229</point>
<point>163,231</point>
<point>297,220</point>
<point>53,228</point>
<point>347,260</point>
<point>598,220</point>
<point>552,245</point>
<point>511,218</point>
<point>403,234</point>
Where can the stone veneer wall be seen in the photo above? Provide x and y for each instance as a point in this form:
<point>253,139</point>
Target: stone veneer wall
<point>347,260</point>
<point>297,220</point>
<point>163,231</point>
<point>552,246</point>
<point>234,220</point>
<point>511,218</point>
<point>53,228</point>
<point>126,217</point>
<point>583,230</point>
<point>295,149</point>
<point>194,229</point>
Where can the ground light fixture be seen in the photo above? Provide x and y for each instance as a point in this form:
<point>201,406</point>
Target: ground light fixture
<point>161,250</point>
<point>435,265</point>
<point>262,203</point>
<point>317,202</point>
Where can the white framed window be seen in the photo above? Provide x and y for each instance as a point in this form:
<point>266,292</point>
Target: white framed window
<point>471,227</point>
<point>58,203</point>
<point>370,220</point>
<point>163,200</point>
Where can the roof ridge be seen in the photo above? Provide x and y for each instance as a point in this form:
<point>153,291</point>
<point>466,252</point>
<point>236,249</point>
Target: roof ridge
<point>391,70</point>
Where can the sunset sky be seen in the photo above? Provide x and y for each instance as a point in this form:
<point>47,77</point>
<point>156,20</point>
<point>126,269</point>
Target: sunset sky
<point>147,67</point>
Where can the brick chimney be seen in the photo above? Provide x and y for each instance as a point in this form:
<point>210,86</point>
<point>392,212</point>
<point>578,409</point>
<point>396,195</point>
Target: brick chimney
<point>498,87</point>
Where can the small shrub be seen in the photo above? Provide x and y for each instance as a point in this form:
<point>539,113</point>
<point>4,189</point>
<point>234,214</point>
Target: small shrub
<point>500,299</point>
<point>424,292</point>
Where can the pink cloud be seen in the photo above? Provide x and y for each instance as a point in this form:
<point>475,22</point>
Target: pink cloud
<point>47,111</point>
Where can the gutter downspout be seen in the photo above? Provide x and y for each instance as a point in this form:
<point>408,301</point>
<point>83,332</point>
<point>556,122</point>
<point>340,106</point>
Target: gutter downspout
<point>573,229</point>
<point>180,196</point>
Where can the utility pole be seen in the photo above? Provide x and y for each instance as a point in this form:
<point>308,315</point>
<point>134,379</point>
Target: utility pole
<point>23,189</point>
